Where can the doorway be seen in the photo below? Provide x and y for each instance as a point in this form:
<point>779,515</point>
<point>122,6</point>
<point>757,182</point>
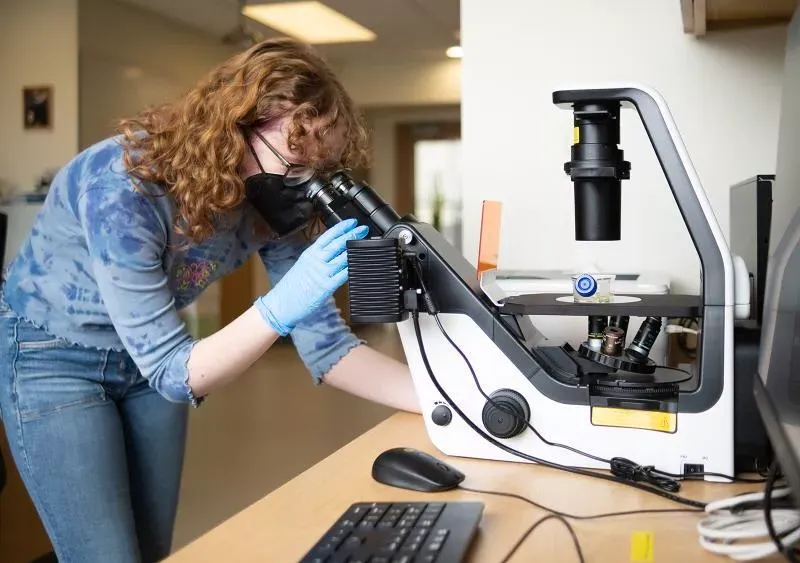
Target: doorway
<point>429,175</point>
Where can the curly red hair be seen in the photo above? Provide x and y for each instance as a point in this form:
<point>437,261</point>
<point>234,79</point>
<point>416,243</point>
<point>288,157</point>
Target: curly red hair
<point>193,148</point>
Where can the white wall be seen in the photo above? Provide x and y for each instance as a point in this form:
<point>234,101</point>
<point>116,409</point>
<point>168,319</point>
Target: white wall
<point>131,58</point>
<point>413,83</point>
<point>38,46</point>
<point>723,90</point>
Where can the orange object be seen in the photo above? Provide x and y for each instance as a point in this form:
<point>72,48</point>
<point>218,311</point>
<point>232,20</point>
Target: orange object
<point>489,243</point>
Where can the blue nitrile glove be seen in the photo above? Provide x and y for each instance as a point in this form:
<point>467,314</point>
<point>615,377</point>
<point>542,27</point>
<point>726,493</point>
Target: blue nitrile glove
<point>319,271</point>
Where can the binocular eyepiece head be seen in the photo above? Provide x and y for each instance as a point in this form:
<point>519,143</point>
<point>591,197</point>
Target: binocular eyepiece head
<point>339,196</point>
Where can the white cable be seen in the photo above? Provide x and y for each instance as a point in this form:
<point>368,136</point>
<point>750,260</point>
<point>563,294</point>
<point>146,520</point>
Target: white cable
<point>676,329</point>
<point>734,533</point>
<point>749,497</point>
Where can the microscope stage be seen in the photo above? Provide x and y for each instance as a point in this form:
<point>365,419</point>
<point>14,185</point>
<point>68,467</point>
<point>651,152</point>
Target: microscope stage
<point>668,305</point>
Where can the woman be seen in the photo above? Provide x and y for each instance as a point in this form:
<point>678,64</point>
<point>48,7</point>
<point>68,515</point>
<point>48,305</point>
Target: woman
<point>96,366</point>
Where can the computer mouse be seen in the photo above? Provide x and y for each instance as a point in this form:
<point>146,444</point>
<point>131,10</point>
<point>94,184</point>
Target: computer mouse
<point>408,468</point>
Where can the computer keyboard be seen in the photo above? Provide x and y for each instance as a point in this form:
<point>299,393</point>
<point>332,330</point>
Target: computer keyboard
<point>400,532</point>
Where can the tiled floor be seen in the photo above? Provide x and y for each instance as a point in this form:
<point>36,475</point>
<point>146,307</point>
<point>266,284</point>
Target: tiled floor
<point>263,430</point>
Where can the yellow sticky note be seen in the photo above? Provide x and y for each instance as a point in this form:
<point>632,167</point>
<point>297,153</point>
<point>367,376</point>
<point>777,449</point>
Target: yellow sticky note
<point>642,547</point>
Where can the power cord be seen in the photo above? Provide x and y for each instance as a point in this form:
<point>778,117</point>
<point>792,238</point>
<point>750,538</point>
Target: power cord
<point>535,525</point>
<point>733,526</point>
<point>578,516</point>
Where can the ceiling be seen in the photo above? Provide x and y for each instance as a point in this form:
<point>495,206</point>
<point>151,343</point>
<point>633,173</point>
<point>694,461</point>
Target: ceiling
<point>407,30</point>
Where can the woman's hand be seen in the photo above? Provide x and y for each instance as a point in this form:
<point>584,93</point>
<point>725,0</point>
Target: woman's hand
<point>319,271</point>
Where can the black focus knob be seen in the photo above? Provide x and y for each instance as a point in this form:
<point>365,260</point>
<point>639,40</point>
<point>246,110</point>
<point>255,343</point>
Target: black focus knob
<point>441,415</point>
<point>507,414</point>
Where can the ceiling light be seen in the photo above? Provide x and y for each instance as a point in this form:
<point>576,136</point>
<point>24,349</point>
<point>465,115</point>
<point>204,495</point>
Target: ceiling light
<point>312,22</point>
<point>454,52</point>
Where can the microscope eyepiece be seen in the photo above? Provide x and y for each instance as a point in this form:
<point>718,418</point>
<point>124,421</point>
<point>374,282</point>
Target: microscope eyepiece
<point>596,169</point>
<point>341,197</point>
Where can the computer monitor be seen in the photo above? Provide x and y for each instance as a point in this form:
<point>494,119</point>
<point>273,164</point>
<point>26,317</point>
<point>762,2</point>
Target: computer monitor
<point>750,220</point>
<point>777,381</point>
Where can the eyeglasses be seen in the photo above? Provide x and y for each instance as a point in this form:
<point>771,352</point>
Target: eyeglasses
<point>295,174</point>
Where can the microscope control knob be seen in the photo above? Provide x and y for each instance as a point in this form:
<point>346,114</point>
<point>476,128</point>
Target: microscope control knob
<point>441,415</point>
<point>507,414</point>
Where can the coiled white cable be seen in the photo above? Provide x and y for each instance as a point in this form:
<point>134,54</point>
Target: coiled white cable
<point>726,531</point>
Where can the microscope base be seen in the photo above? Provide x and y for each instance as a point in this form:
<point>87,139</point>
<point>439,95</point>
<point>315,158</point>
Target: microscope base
<point>668,441</point>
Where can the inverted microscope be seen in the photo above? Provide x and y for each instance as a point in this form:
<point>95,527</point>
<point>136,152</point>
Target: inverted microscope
<point>490,386</point>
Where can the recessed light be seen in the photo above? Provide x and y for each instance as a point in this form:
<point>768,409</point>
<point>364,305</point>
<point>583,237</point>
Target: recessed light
<point>312,22</point>
<point>454,52</point>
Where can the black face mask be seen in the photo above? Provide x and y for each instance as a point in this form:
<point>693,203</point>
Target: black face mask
<point>285,208</point>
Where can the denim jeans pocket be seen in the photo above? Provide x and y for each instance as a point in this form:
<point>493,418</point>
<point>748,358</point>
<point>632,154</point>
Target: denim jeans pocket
<point>50,374</point>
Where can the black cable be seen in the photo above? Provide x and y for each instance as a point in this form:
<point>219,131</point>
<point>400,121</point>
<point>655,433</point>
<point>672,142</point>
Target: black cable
<point>535,525</point>
<point>788,553</point>
<point>501,407</point>
<point>504,447</point>
<point>713,474</point>
<point>578,516</point>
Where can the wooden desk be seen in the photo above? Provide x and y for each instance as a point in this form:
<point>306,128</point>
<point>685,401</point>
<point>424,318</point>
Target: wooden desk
<point>284,525</point>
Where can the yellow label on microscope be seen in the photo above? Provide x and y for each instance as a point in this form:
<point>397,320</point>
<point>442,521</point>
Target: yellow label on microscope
<point>632,418</point>
<point>642,547</point>
<point>576,135</point>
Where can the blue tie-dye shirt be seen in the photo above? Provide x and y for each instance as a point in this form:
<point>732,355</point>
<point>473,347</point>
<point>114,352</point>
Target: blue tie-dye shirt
<point>104,268</point>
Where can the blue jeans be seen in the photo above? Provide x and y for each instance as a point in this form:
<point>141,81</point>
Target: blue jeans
<point>100,453</point>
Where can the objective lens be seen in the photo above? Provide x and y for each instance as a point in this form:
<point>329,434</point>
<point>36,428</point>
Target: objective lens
<point>643,341</point>
<point>613,339</point>
<point>621,322</point>
<point>597,325</point>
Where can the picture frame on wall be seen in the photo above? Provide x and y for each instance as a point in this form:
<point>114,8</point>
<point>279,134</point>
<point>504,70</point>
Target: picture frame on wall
<point>37,107</point>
